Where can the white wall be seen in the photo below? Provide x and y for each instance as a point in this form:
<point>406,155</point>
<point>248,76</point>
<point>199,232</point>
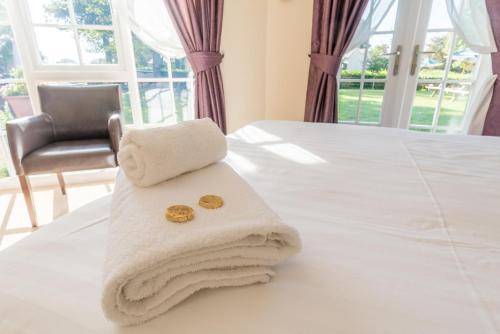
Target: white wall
<point>243,68</point>
<point>289,24</point>
<point>265,67</point>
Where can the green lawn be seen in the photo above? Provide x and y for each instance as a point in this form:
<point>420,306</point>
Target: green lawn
<point>422,113</point>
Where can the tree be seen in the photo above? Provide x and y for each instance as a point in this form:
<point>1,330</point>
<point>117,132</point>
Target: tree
<point>439,46</point>
<point>376,60</point>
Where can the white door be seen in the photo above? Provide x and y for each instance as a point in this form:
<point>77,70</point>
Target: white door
<point>415,72</point>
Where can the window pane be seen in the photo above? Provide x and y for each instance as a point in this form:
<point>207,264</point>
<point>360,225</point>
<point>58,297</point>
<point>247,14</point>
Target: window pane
<point>49,11</point>
<point>180,67</point>
<point>432,65</point>
<point>4,171</point>
<point>183,101</point>
<point>376,61</point>
<point>352,66</point>
<point>371,102</point>
<point>439,16</point>
<point>463,61</point>
<point>424,104</point>
<point>348,101</point>
<point>156,102</point>
<point>149,63</point>
<point>14,103</point>
<point>453,105</point>
<point>56,46</point>
<point>10,63</point>
<point>3,12</point>
<point>125,102</point>
<point>389,20</point>
<point>449,131</point>
<point>420,129</point>
<point>97,46</point>
<point>96,12</point>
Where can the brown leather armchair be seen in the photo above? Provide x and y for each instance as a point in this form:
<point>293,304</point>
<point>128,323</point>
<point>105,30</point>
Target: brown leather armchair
<point>79,129</point>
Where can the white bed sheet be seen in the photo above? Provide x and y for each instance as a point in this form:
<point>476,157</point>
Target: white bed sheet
<point>400,230</point>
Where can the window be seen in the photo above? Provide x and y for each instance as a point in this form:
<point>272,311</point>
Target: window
<point>85,42</point>
<point>73,32</point>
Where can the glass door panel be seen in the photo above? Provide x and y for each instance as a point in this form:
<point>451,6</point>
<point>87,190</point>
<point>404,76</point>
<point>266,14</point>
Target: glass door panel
<point>445,77</point>
<point>365,71</point>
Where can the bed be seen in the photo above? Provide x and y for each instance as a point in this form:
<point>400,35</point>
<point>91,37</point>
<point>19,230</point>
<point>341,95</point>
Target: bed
<point>400,230</point>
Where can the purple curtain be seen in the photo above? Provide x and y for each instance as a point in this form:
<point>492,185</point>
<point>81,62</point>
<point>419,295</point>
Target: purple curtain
<point>199,24</point>
<point>492,121</point>
<point>334,24</point>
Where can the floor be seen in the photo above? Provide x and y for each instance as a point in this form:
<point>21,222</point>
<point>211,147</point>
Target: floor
<point>50,204</point>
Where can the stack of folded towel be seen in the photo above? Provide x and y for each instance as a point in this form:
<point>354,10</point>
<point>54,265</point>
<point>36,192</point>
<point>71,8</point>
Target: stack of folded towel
<point>153,264</point>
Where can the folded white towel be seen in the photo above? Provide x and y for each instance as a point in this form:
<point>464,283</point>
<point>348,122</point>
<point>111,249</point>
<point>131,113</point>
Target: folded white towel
<point>153,264</point>
<point>153,155</point>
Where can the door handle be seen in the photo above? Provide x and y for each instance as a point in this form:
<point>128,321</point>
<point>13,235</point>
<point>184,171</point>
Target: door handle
<point>397,53</point>
<point>414,61</point>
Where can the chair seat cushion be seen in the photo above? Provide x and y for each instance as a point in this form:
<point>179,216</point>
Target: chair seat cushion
<point>72,155</point>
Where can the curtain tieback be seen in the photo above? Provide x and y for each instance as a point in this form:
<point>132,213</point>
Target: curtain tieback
<point>204,60</point>
<point>328,64</point>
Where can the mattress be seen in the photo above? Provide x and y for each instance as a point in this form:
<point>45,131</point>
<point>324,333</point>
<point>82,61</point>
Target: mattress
<point>400,231</point>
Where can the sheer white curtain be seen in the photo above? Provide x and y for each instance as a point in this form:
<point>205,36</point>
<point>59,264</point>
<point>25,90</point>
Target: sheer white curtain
<point>375,12</point>
<point>472,23</point>
<point>151,23</point>
<point>475,125</point>
<point>481,98</point>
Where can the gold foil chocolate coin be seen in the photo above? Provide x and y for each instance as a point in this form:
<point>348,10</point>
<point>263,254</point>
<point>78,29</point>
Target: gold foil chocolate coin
<point>179,213</point>
<point>211,202</point>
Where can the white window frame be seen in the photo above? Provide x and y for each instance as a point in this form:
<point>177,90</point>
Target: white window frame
<point>25,16</point>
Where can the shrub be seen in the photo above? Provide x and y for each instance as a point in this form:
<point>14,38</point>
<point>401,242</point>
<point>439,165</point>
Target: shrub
<point>354,74</point>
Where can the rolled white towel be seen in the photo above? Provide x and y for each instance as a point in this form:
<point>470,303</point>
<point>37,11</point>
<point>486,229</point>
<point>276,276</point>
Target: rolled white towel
<point>152,264</point>
<point>150,156</point>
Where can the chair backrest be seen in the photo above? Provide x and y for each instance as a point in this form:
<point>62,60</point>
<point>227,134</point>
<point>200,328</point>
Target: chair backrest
<point>80,112</point>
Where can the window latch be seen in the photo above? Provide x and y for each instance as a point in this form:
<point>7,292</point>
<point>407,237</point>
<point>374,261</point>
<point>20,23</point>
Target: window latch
<point>397,53</point>
<point>414,61</point>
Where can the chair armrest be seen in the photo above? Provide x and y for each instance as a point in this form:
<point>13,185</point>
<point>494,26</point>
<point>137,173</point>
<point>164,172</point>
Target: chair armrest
<point>26,135</point>
<point>115,131</point>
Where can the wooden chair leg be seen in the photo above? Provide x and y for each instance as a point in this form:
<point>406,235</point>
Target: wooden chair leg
<point>60,179</point>
<point>28,198</point>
